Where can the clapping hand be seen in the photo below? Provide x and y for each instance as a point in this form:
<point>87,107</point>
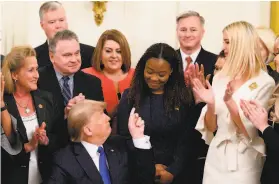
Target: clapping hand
<point>41,133</point>
<point>195,72</point>
<point>255,113</point>
<point>229,92</point>
<point>136,125</point>
<point>204,94</point>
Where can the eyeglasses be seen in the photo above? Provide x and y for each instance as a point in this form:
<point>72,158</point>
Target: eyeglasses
<point>275,54</point>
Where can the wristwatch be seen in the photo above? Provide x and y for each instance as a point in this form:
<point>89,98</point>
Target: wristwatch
<point>3,108</point>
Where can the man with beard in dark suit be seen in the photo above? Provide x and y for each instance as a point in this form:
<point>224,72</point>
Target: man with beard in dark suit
<point>64,79</point>
<point>53,19</point>
<point>190,31</point>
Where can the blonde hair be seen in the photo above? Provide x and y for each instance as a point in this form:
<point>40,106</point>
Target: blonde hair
<point>80,115</point>
<point>267,37</point>
<point>244,56</point>
<point>13,62</point>
<point>273,105</point>
<point>119,38</point>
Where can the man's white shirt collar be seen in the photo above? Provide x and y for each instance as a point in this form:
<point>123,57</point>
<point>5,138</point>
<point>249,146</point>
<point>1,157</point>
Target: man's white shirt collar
<point>193,56</point>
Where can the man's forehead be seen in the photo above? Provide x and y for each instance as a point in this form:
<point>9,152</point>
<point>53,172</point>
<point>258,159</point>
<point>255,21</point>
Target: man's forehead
<point>55,13</point>
<point>67,46</point>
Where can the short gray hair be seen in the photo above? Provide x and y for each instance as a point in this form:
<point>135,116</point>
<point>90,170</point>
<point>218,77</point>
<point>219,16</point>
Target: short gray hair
<point>190,14</point>
<point>49,6</point>
<point>61,35</point>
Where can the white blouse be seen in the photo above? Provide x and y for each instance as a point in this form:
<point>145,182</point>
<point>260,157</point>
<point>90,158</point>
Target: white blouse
<point>30,123</point>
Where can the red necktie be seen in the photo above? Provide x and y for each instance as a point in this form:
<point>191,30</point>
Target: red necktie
<point>189,61</point>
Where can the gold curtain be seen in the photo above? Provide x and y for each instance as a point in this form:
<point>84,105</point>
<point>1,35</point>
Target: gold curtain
<point>274,17</point>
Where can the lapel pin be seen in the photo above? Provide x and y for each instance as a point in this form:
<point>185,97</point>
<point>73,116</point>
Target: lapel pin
<point>112,150</point>
<point>253,86</point>
<point>177,108</point>
<point>40,106</point>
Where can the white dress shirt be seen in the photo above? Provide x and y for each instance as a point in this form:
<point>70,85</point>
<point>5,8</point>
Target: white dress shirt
<point>193,56</point>
<point>92,149</point>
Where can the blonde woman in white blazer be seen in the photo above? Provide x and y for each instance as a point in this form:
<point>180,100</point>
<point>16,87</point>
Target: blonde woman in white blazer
<point>236,151</point>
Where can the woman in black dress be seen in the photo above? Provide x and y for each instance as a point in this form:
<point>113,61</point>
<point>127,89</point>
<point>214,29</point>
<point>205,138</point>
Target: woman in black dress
<point>159,94</point>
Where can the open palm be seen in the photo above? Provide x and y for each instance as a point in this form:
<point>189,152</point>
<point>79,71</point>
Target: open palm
<point>204,94</point>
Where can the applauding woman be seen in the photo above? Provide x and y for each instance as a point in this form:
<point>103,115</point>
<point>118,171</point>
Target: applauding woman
<point>34,113</point>
<point>269,127</point>
<point>236,152</point>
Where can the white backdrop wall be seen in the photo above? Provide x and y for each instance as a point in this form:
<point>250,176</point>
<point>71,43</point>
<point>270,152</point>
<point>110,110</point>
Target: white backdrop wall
<point>143,23</point>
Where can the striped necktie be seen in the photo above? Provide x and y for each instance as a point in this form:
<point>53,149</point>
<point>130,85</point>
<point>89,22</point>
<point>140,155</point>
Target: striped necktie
<point>66,90</point>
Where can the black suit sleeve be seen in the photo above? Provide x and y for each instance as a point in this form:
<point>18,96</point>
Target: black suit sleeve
<point>95,91</point>
<point>123,113</point>
<point>58,176</point>
<point>184,153</point>
<point>58,135</point>
<point>144,164</point>
<point>271,138</point>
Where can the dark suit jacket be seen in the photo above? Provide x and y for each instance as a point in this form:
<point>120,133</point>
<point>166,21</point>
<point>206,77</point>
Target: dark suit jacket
<point>271,167</point>
<point>88,85</point>
<point>73,164</point>
<point>171,137</point>
<point>2,59</point>
<point>86,52</point>
<point>15,168</point>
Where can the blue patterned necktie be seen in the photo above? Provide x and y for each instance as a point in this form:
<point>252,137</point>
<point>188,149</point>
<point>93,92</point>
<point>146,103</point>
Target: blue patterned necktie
<point>103,168</point>
<point>66,90</point>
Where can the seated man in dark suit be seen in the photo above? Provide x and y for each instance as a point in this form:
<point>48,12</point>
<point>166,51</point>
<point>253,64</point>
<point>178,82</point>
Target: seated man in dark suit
<point>64,79</point>
<point>52,20</point>
<point>95,158</point>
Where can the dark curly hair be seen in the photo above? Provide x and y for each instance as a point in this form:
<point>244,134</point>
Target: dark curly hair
<point>175,91</point>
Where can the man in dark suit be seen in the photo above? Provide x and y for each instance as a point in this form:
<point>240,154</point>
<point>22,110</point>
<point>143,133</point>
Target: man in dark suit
<point>63,78</point>
<point>2,59</point>
<point>52,20</point>
<point>95,158</point>
<point>190,31</point>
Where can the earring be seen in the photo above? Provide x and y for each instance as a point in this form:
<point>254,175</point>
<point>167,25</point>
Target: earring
<point>15,80</point>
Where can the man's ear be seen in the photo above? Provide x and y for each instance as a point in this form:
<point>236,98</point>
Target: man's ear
<point>42,24</point>
<point>87,131</point>
<point>51,56</point>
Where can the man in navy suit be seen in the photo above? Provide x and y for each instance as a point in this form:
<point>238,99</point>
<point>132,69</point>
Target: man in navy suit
<point>53,19</point>
<point>190,31</point>
<point>64,79</point>
<point>95,158</point>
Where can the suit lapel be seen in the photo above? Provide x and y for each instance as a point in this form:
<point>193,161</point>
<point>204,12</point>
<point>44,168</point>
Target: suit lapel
<point>78,84</point>
<point>40,106</point>
<point>12,108</point>
<point>113,159</point>
<point>87,163</point>
<point>200,57</point>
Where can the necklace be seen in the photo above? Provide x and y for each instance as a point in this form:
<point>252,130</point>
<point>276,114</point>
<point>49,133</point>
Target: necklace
<point>27,110</point>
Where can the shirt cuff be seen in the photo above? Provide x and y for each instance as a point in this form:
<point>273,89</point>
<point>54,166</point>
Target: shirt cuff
<point>142,143</point>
